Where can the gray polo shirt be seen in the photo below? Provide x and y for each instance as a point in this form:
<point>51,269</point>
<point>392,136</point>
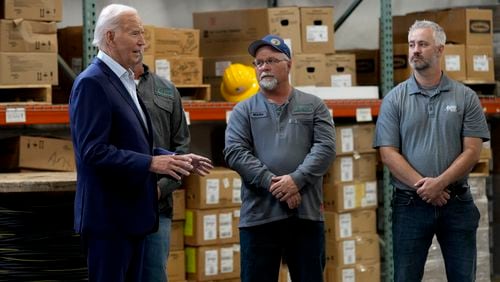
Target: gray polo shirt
<point>263,141</point>
<point>428,128</point>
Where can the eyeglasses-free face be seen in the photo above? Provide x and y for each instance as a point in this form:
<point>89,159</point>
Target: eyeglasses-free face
<point>268,61</point>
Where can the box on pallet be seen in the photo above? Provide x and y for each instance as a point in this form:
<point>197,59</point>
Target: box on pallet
<point>46,10</point>
<point>212,226</point>
<point>341,69</point>
<point>28,36</point>
<point>177,235</point>
<point>176,266</point>
<point>342,197</point>
<point>215,262</point>
<point>367,65</point>
<point>179,204</point>
<point>357,273</point>
<point>363,249</point>
<point>453,61</point>
<point>349,168</point>
<point>317,30</point>
<point>347,225</point>
<point>480,66</point>
<point>309,70</point>
<point>356,138</point>
<point>180,70</point>
<point>171,42</point>
<point>28,68</point>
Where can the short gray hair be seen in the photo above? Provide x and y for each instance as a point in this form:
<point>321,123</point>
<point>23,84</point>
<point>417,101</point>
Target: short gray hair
<point>109,19</point>
<point>437,31</point>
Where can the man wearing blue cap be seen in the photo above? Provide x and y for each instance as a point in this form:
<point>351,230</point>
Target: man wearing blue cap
<point>281,141</point>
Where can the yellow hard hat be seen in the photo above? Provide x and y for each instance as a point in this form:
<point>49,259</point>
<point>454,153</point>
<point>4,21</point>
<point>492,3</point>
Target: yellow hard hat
<point>239,82</point>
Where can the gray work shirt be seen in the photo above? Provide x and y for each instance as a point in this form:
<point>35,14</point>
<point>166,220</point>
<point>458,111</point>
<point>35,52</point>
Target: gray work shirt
<point>429,129</point>
<point>260,144</point>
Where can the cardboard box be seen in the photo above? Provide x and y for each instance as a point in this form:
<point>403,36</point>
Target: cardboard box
<point>211,227</point>
<point>343,197</point>
<point>309,70</point>
<point>354,273</point>
<point>354,139</point>
<point>341,69</point>
<point>367,65</point>
<point>28,68</point>
<point>171,42</point>
<point>468,26</point>
<point>317,29</point>
<point>180,70</point>
<point>213,70</point>
<point>213,262</point>
<point>70,43</point>
<point>149,36</point>
<point>220,189</point>
<point>177,235</point>
<point>363,249</point>
<point>225,33</point>
<point>480,66</point>
<point>179,204</point>
<point>28,36</point>
<point>349,168</point>
<point>46,10</point>
<point>401,63</point>
<point>176,266</point>
<point>401,24</point>
<point>39,153</point>
<point>453,61</point>
<point>347,225</point>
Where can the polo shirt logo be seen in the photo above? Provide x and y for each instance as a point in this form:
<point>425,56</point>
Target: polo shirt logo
<point>451,108</point>
<point>258,114</point>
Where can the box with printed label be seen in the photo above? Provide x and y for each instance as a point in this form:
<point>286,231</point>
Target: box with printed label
<point>341,69</point>
<point>367,65</point>
<point>225,33</point>
<point>353,273</point>
<point>309,70</point>
<point>180,70</point>
<point>40,153</point>
<point>177,235</point>
<point>480,66</point>
<point>210,227</point>
<point>28,36</point>
<point>213,262</point>
<point>220,189</point>
<point>317,30</point>
<point>453,61</point>
<point>342,197</point>
<point>339,226</point>
<point>179,204</point>
<point>28,68</point>
<point>354,139</point>
<point>348,168</point>
<point>172,42</point>
<point>176,266</point>
<point>46,10</point>
<point>362,249</point>
<point>467,25</point>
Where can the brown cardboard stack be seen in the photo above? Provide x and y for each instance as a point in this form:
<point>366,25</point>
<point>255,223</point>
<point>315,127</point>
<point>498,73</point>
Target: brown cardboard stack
<point>176,265</point>
<point>28,49</point>
<point>367,65</point>
<point>469,34</point>
<point>211,233</point>
<point>350,201</point>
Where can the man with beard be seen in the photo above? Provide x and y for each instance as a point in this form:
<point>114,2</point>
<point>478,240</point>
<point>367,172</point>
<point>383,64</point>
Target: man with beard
<point>430,132</point>
<point>281,141</point>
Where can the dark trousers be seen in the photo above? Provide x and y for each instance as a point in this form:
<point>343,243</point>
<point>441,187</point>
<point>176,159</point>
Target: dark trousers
<point>414,225</point>
<point>300,242</point>
<point>114,259</point>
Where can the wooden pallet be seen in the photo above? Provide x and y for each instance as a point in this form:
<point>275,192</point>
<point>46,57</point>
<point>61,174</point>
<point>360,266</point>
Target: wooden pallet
<point>482,168</point>
<point>195,92</point>
<point>26,94</point>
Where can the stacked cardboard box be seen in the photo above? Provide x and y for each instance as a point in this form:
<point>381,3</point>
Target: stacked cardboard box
<point>350,202</point>
<point>211,233</point>
<point>28,49</point>
<point>469,51</point>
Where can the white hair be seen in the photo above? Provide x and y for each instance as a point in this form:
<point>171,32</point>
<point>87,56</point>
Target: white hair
<point>437,31</point>
<point>109,19</point>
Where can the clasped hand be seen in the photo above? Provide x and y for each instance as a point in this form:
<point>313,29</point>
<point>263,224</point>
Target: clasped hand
<point>432,191</point>
<point>284,189</point>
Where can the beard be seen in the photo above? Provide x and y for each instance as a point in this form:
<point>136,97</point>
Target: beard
<point>268,82</point>
<point>420,63</point>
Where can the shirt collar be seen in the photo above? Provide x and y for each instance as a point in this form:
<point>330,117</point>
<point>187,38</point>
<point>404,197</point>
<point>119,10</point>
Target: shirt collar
<point>114,65</point>
<point>444,85</point>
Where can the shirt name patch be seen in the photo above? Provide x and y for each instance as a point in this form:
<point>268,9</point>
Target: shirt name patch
<point>258,114</point>
<point>303,109</point>
<point>165,92</point>
<point>451,108</point>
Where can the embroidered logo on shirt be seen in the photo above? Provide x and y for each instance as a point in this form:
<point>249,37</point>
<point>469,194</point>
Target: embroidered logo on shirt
<point>303,109</point>
<point>162,91</point>
<point>258,114</point>
<point>451,108</point>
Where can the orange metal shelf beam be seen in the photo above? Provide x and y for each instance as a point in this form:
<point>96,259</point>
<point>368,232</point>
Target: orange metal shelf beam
<point>213,111</point>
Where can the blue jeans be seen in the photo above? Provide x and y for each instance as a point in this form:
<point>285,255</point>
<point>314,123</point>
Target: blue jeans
<point>156,252</point>
<point>415,223</point>
<point>300,242</point>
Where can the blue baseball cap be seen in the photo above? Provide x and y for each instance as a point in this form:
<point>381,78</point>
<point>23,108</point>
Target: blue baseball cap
<point>270,40</point>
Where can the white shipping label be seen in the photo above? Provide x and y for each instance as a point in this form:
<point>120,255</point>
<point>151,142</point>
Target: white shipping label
<point>317,33</point>
<point>225,183</point>
<point>370,198</point>
<point>346,169</point>
<point>212,191</point>
<point>452,62</point>
<point>341,80</point>
<point>163,68</point>
<point>364,114</point>
<point>345,221</point>
<point>480,63</point>
<point>226,260</point>
<point>211,262</point>
<point>348,275</point>
<point>237,190</point>
<point>347,139</point>
<point>220,67</point>
<point>349,249</point>
<point>288,42</point>
<point>15,115</point>
<point>209,227</point>
<point>349,197</point>
<point>225,225</point>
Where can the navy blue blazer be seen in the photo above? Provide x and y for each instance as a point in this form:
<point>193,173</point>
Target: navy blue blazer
<point>116,193</point>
